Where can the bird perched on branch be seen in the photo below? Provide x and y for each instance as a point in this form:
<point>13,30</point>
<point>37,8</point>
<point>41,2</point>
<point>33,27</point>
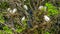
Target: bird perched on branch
<point>25,7</point>
<point>43,8</point>
<point>23,18</point>
<point>46,18</point>
<point>12,11</point>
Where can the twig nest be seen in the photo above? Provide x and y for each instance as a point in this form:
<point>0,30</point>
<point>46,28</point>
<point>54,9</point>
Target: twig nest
<point>23,18</point>
<point>46,18</point>
<point>25,7</point>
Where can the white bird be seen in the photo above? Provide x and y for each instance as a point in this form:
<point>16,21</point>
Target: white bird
<point>8,9</point>
<point>46,18</point>
<point>42,8</point>
<point>11,11</point>
<point>24,0</point>
<point>14,10</point>
<point>23,18</point>
<point>25,7</point>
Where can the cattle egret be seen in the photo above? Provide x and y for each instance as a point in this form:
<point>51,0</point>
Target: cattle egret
<point>14,10</point>
<point>11,11</point>
<point>40,7</point>
<point>24,0</point>
<point>25,7</point>
<point>8,9</point>
<point>46,18</point>
<point>23,18</point>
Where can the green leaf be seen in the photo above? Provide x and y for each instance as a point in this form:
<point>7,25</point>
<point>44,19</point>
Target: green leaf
<point>47,33</point>
<point>51,9</point>
<point>7,30</point>
<point>4,5</point>
<point>1,19</point>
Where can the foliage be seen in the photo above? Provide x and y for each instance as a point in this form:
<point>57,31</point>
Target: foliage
<point>7,30</point>
<point>19,28</point>
<point>2,32</point>
<point>47,33</point>
<point>51,9</point>
<point>4,5</point>
<point>1,18</point>
<point>36,17</point>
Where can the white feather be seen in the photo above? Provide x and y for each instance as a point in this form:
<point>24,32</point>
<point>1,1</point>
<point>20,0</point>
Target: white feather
<point>46,18</point>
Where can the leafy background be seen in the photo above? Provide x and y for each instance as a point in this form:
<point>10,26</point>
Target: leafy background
<point>35,18</point>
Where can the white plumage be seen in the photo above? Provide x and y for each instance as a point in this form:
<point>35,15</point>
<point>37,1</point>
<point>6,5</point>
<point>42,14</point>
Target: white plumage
<point>14,10</point>
<point>23,18</point>
<point>8,9</point>
<point>24,0</point>
<point>40,7</point>
<point>11,11</point>
<point>46,18</point>
<point>25,7</point>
